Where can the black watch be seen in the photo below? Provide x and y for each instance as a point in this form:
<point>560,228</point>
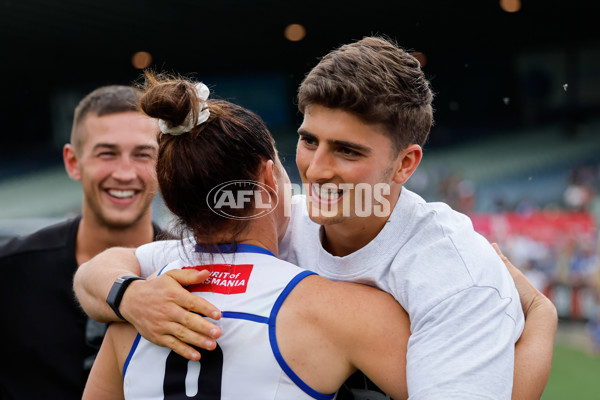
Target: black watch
<point>116,292</point>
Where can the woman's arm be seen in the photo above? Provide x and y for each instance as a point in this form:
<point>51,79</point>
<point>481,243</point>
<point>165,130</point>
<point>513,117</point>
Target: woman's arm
<point>327,330</point>
<point>533,351</point>
<point>160,308</point>
<point>106,377</point>
<point>378,345</point>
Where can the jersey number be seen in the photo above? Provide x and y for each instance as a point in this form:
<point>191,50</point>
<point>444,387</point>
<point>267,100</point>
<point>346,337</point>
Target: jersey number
<point>209,379</point>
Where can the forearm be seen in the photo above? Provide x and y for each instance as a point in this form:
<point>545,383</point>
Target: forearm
<point>533,351</point>
<point>94,279</point>
<point>106,380</point>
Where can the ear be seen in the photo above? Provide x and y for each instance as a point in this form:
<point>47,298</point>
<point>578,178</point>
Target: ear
<point>71,162</point>
<point>408,161</point>
<point>268,175</point>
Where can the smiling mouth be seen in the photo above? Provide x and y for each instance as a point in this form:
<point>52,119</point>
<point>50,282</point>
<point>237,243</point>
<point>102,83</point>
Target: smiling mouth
<point>121,194</point>
<point>326,194</point>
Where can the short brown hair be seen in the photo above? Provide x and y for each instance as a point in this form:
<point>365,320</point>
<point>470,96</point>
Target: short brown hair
<point>378,82</point>
<point>105,100</point>
<point>229,146</point>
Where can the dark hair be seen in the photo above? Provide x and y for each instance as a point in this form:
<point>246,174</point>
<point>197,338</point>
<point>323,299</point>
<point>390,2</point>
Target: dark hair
<point>230,146</point>
<point>105,100</point>
<point>378,82</point>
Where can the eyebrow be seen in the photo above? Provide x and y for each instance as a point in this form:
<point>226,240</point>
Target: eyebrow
<point>342,143</point>
<point>115,147</point>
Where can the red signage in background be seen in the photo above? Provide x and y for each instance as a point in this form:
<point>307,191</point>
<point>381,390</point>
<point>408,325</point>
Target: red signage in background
<point>550,227</point>
<point>569,238</point>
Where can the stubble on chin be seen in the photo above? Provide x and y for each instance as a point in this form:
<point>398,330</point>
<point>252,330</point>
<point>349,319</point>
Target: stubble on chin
<point>118,221</point>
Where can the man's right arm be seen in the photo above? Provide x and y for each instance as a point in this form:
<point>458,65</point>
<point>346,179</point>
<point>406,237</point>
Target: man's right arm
<point>159,308</point>
<point>93,280</point>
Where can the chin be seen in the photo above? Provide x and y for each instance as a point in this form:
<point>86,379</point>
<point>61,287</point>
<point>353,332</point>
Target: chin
<point>121,222</point>
<point>320,219</point>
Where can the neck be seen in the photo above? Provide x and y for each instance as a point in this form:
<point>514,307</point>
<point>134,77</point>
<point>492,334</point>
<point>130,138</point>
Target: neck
<point>355,233</point>
<point>94,238</point>
<point>272,247</point>
<point>260,232</point>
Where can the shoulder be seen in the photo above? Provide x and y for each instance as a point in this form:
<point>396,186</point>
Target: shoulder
<point>157,246</point>
<point>437,232</point>
<point>443,255</point>
<point>444,240</point>
<point>422,225</point>
<point>155,255</point>
<point>343,311</point>
<point>54,237</point>
<point>342,304</point>
<point>339,321</point>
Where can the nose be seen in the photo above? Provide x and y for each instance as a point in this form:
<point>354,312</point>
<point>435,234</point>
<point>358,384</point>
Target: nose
<point>125,170</point>
<point>321,166</point>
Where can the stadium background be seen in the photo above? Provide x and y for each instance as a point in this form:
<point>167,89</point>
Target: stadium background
<point>516,144</point>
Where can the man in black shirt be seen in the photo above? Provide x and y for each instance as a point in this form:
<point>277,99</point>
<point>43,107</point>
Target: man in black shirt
<point>113,149</point>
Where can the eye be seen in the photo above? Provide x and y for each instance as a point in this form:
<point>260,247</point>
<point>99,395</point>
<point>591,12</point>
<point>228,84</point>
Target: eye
<point>349,152</point>
<point>145,156</point>
<point>308,141</point>
<point>106,154</point>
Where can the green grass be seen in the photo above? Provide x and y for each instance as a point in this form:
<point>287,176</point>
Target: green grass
<point>575,375</point>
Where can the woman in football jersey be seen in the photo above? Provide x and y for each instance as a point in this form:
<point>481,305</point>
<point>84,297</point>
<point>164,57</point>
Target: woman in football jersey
<point>287,333</point>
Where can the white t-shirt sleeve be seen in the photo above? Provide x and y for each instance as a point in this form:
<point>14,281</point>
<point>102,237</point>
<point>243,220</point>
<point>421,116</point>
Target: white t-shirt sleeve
<point>463,348</point>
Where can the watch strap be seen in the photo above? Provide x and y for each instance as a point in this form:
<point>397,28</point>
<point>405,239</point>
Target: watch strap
<point>118,290</point>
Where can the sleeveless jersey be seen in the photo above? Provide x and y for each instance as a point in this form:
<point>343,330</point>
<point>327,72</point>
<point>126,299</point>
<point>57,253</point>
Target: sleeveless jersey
<point>249,287</point>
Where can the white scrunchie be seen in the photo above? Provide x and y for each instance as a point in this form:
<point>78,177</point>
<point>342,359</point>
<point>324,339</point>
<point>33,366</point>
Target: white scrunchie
<point>187,125</point>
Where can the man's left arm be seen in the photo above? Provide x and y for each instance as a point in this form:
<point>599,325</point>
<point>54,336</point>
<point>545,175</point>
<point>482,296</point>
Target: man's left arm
<point>533,352</point>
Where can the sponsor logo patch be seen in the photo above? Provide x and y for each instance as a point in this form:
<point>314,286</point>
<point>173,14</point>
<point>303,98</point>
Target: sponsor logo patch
<point>223,278</point>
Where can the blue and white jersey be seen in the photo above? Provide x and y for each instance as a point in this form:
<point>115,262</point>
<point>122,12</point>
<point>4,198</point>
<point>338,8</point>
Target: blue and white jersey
<point>249,286</point>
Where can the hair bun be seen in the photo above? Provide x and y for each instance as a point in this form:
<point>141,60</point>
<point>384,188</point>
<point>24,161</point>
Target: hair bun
<point>168,99</point>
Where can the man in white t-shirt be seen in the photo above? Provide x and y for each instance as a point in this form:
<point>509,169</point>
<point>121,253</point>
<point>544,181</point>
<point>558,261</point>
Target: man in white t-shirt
<point>367,114</point>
